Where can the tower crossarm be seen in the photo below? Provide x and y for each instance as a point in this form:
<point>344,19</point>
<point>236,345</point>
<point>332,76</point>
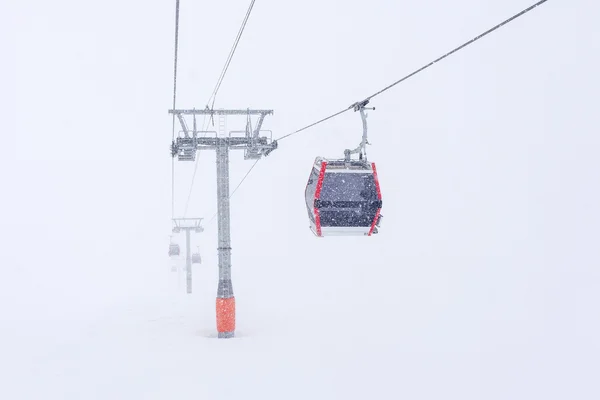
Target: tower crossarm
<point>207,111</point>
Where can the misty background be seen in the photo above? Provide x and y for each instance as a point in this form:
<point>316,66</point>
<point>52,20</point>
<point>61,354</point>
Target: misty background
<point>482,283</point>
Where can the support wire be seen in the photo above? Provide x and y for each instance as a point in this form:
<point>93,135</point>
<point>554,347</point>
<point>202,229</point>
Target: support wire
<point>422,68</point>
<point>174,103</point>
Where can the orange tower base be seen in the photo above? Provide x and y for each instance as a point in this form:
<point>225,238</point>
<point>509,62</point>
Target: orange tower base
<point>226,317</point>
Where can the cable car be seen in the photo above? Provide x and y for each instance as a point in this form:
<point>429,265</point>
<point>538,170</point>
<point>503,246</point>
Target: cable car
<point>343,198</point>
<point>196,258</point>
<point>174,250</point>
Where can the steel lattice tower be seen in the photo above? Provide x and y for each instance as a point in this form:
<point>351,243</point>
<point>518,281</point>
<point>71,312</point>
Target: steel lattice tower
<point>254,147</point>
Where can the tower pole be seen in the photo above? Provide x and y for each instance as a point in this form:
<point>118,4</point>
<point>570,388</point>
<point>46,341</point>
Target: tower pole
<point>225,298</point>
<point>188,262</point>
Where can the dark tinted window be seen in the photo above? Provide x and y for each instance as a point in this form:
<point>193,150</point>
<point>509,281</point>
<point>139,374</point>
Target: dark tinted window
<point>356,217</point>
<point>348,187</point>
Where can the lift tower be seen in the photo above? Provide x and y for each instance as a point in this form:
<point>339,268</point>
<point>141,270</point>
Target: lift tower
<point>254,147</point>
<point>188,225</point>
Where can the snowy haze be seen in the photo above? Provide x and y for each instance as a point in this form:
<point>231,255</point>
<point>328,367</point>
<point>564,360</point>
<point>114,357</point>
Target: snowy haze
<point>484,280</point>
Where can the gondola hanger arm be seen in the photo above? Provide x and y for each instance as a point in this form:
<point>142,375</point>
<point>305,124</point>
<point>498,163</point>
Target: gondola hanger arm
<point>362,147</point>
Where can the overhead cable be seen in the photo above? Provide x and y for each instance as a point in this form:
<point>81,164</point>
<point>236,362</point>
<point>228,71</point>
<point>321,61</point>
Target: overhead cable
<point>216,89</point>
<point>422,68</point>
<point>230,57</point>
<point>174,103</point>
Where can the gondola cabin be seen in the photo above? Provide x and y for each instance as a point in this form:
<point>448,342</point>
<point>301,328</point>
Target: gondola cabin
<point>343,198</point>
<point>174,250</point>
<point>196,258</point>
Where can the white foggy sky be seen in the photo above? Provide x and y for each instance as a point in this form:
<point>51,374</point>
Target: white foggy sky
<point>488,161</point>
